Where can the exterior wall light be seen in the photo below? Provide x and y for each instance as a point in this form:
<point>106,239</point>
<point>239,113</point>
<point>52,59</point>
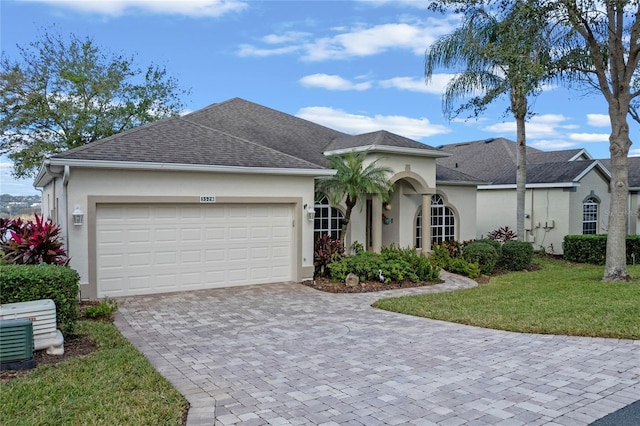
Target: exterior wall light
<point>311,212</point>
<point>78,216</point>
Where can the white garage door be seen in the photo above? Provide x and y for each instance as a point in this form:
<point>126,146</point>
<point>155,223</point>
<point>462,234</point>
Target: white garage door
<point>144,249</point>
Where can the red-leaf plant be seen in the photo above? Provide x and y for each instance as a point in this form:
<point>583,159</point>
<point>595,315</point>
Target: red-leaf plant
<point>31,242</point>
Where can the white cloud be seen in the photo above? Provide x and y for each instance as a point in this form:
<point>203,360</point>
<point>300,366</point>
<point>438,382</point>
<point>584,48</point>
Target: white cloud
<point>552,144</point>
<point>634,152</point>
<point>413,128</point>
<point>589,137</point>
<point>358,41</point>
<point>191,8</point>
<point>598,120</point>
<point>332,82</point>
<point>538,127</point>
<point>436,86</point>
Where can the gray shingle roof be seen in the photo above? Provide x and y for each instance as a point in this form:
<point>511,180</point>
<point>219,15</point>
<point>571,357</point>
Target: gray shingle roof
<point>376,139</point>
<point>445,174</point>
<point>495,161</point>
<point>633,165</point>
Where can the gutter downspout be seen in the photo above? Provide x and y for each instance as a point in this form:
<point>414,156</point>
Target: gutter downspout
<point>65,181</point>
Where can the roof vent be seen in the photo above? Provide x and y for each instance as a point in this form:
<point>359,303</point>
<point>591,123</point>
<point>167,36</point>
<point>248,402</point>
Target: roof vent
<point>489,140</point>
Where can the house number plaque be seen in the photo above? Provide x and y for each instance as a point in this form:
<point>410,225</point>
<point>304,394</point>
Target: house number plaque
<point>207,199</point>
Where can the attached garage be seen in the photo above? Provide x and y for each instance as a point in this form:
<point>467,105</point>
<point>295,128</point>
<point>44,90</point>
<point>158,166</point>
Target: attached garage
<point>158,248</point>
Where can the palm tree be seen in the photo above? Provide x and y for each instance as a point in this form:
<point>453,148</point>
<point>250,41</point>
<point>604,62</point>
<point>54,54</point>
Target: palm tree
<point>353,180</point>
<point>497,57</point>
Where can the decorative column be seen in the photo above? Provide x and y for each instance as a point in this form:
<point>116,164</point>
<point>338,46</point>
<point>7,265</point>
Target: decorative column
<point>426,223</point>
<point>376,223</point>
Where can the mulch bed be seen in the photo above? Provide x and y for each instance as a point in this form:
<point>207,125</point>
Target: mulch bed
<point>325,284</point>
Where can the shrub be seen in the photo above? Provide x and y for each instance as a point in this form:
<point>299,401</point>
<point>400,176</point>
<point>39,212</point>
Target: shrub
<point>497,245</point>
<point>485,255</point>
<point>395,265</point>
<point>461,266</point>
<point>502,234</point>
<point>23,283</point>
<point>104,309</point>
<point>516,255</point>
<point>32,242</point>
<point>593,248</point>
<point>326,250</point>
<point>454,248</point>
<point>441,257</point>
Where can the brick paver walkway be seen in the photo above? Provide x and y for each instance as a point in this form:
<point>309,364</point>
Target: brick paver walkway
<point>285,354</point>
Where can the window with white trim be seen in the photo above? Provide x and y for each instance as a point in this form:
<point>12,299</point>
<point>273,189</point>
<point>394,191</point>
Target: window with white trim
<point>328,220</point>
<point>590,215</point>
<point>443,222</point>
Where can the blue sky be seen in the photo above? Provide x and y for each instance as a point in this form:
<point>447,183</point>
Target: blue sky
<point>356,66</point>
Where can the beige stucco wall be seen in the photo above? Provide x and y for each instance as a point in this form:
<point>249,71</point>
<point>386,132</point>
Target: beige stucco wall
<point>463,200</point>
<point>87,184</point>
<point>552,212</point>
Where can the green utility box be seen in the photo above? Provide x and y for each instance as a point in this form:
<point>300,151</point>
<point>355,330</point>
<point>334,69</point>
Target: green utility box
<point>16,344</point>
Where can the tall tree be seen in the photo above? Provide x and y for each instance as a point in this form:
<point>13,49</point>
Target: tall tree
<point>353,181</point>
<point>66,92</point>
<point>495,56</point>
<point>601,48</point>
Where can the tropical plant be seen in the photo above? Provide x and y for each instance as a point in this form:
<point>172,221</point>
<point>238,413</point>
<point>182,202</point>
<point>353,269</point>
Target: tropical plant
<point>32,242</point>
<point>354,179</point>
<point>495,56</point>
<point>502,234</point>
<point>65,92</point>
<point>326,250</point>
<point>600,49</point>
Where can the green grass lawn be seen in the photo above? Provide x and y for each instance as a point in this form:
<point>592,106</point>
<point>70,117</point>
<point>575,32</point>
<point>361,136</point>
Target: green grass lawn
<point>114,385</point>
<point>559,298</point>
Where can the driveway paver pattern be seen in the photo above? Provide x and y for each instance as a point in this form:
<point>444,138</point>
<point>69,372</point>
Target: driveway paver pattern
<point>285,354</point>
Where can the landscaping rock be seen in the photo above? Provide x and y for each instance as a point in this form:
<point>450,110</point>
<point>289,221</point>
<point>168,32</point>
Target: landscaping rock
<point>352,280</point>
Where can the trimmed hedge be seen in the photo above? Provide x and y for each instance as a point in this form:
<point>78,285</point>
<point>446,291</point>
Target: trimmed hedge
<point>23,283</point>
<point>516,255</point>
<point>593,248</point>
<point>482,253</point>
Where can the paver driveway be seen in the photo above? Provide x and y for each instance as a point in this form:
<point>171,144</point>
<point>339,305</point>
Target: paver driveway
<point>287,354</point>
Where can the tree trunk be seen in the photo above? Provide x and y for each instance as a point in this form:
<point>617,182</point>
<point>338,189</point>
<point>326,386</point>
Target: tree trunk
<point>619,144</point>
<point>521,177</point>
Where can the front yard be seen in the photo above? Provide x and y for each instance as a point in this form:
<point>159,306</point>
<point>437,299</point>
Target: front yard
<point>115,385</point>
<point>558,298</point>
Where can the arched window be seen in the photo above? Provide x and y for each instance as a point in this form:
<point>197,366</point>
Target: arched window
<point>328,220</point>
<point>590,215</point>
<point>443,222</point>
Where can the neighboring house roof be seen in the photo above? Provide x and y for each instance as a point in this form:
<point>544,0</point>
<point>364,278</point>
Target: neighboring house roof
<point>233,134</point>
<point>495,162</point>
<point>633,166</point>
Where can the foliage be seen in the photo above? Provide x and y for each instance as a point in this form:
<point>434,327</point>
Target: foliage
<point>516,255</point>
<point>493,243</point>
<point>442,257</point>
<point>24,283</point>
<point>115,385</point>
<point>459,265</point>
<point>395,265</point>
<point>558,298</point>
<point>496,53</point>
<point>352,181</point>
<point>592,248</point>
<point>31,242</point>
<point>104,309</point>
<point>357,247</point>
<point>326,250</point>
<point>502,234</point>
<point>65,92</point>
<point>482,253</point>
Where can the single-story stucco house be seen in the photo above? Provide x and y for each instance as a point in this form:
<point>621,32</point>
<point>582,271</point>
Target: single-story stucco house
<point>224,196</point>
<point>567,191</point>
<point>634,193</point>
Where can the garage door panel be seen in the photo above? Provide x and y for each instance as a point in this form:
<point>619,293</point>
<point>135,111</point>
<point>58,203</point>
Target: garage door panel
<point>158,248</point>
